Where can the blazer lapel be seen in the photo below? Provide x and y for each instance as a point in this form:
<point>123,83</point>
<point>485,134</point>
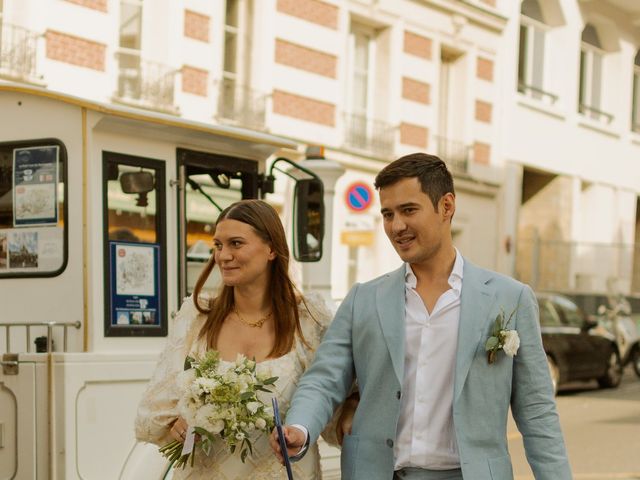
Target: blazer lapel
<point>475,303</point>
<point>390,301</point>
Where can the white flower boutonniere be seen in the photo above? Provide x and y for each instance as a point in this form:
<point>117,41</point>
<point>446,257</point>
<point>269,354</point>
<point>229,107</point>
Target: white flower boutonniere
<point>501,338</point>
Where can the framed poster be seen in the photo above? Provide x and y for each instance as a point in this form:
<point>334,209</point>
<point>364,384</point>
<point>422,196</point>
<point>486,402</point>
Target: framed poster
<point>35,186</point>
<point>135,300</point>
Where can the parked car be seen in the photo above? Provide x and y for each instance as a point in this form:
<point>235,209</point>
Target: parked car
<point>577,346</point>
<point>620,314</point>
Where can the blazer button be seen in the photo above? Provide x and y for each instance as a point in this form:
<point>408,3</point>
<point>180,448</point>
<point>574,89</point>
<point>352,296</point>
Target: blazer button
<point>398,394</point>
<point>389,443</point>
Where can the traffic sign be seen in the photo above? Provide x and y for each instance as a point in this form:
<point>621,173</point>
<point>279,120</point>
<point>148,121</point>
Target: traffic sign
<point>359,196</point>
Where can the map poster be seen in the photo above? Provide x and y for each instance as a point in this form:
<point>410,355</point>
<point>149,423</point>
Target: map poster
<point>135,284</point>
<point>35,182</point>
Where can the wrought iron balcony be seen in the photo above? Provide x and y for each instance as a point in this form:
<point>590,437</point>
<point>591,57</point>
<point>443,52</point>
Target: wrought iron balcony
<point>241,105</point>
<point>145,84</point>
<point>373,136</point>
<point>454,153</point>
<point>17,52</point>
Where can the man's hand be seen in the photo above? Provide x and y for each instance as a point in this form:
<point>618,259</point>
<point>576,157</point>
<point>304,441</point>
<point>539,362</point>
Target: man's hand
<point>294,437</point>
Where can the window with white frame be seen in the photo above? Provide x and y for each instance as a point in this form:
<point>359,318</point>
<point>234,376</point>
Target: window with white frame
<point>236,101</point>
<point>130,44</point>
<point>360,80</point>
<point>635,116</point>
<point>591,72</point>
<point>531,53</point>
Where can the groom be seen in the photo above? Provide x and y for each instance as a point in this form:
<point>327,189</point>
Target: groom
<point>433,402</point>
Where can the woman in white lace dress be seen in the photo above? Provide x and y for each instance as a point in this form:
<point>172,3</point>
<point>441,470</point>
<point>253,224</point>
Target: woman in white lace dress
<point>257,313</point>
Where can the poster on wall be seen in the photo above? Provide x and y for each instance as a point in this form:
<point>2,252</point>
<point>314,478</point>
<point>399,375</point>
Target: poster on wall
<point>35,186</point>
<point>29,250</point>
<point>135,284</point>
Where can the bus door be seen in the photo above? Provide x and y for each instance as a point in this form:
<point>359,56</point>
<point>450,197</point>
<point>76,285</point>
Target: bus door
<point>208,184</point>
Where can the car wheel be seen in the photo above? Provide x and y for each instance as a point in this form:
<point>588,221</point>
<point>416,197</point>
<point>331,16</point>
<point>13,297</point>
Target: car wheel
<point>635,360</point>
<point>613,376</point>
<point>554,372</point>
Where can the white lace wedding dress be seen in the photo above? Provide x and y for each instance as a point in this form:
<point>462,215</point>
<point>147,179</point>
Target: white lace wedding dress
<point>157,408</point>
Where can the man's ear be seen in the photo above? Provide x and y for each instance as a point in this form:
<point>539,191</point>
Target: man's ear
<point>448,203</point>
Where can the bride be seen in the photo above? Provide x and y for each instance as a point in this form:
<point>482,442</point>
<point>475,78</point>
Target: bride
<point>257,313</point>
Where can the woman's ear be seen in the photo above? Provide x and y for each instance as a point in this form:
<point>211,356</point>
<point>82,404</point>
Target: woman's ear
<point>272,253</point>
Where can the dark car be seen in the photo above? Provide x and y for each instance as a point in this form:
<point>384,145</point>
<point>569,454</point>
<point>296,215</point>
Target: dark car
<point>577,347</point>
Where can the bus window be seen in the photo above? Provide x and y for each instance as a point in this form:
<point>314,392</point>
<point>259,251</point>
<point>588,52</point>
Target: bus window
<point>33,208</point>
<point>135,246</point>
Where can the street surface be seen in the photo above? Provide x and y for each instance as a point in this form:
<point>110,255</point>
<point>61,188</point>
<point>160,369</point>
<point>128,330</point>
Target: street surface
<point>601,429</point>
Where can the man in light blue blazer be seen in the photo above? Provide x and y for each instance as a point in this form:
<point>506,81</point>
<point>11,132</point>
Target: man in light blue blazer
<point>440,349</point>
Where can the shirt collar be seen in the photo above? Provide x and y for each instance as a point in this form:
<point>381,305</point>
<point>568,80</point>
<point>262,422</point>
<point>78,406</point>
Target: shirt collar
<point>455,278</point>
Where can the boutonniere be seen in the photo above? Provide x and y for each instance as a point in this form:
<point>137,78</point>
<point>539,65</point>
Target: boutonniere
<point>501,338</point>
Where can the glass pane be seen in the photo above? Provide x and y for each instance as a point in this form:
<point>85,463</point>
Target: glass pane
<point>232,13</point>
<point>359,94</point>
<point>538,58</point>
<point>132,216</point>
<point>130,25</point>
<point>548,316</point>
<point>596,82</point>
<point>636,102</point>
<point>201,216</point>
<point>583,79</point>
<point>361,54</point>
<point>522,58</point>
<point>31,209</point>
<point>572,316</point>
<point>230,52</point>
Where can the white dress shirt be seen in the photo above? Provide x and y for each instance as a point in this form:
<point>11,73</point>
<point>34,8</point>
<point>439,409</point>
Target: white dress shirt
<point>426,437</point>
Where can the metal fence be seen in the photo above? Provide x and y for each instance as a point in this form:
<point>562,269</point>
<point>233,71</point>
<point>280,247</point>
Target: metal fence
<point>17,52</point>
<point>364,133</point>
<point>241,105</point>
<point>454,153</point>
<point>149,84</point>
<point>578,266</point>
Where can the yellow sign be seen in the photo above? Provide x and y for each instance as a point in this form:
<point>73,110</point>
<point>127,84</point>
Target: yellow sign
<point>357,238</point>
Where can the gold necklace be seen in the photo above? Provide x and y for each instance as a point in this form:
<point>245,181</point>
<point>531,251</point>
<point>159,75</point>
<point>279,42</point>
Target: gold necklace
<point>257,324</point>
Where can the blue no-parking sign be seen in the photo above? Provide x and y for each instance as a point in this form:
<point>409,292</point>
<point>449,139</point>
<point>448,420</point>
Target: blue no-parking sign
<point>359,196</point>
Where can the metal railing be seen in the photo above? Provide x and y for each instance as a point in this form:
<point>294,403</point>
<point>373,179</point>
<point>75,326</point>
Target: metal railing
<point>537,92</point>
<point>595,113</point>
<point>18,48</point>
<point>49,328</point>
<point>241,105</point>
<point>454,153</point>
<point>148,84</point>
<point>578,266</point>
<point>374,136</point>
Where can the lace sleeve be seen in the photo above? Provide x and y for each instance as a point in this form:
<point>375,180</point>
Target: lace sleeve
<point>157,408</point>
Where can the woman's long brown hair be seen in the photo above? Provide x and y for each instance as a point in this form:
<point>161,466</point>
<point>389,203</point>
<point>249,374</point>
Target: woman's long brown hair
<point>264,220</point>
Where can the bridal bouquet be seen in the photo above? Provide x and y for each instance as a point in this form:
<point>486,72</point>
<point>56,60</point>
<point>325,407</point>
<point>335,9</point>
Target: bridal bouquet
<point>220,400</point>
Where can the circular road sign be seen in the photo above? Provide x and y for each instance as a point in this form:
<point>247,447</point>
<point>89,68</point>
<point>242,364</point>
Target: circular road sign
<point>359,196</point>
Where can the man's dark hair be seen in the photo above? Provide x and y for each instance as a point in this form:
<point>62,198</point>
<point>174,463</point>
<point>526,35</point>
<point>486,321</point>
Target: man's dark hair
<point>430,171</point>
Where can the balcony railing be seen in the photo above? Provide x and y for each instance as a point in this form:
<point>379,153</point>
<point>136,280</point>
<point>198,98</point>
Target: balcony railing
<point>595,113</point>
<point>454,153</point>
<point>241,105</point>
<point>537,93</point>
<point>17,52</point>
<point>364,133</point>
<point>146,84</point>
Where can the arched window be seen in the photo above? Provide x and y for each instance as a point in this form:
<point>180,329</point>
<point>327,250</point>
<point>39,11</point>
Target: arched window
<point>531,54</point>
<point>635,120</point>
<point>591,60</point>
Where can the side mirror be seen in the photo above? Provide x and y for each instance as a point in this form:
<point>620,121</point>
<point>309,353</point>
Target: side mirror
<point>308,214</point>
<point>589,323</point>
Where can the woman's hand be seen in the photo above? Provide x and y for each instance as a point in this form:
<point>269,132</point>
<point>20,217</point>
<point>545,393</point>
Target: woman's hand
<point>179,429</point>
<point>345,422</point>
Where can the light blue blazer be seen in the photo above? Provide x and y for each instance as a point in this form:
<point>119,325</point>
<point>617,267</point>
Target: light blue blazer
<point>366,341</point>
